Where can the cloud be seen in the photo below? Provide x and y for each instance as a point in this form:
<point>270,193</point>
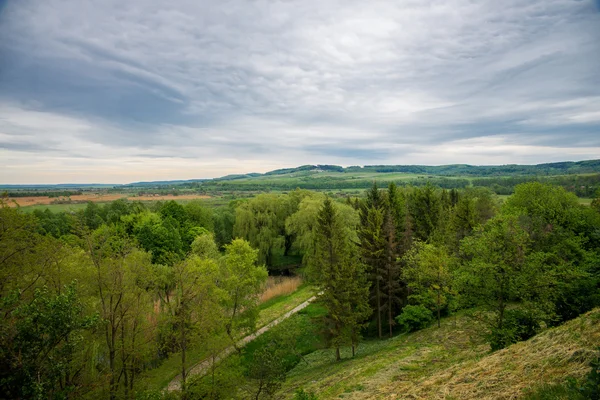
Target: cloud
<point>198,88</point>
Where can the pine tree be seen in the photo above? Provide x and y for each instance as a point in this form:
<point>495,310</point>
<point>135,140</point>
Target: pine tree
<point>373,245</point>
<point>392,287</point>
<point>342,280</point>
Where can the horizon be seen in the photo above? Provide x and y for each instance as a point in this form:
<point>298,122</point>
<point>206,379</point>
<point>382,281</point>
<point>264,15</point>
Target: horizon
<point>5,185</point>
<point>106,91</point>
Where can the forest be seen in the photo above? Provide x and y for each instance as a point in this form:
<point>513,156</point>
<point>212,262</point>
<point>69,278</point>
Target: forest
<point>95,301</point>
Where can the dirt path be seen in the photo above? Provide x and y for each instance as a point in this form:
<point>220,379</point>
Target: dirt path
<point>202,367</point>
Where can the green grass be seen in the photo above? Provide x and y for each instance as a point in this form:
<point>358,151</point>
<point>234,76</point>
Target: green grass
<point>158,378</point>
<point>305,329</point>
<point>450,362</point>
<point>277,306</point>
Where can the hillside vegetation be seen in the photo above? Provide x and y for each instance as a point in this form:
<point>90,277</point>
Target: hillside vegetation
<point>450,363</point>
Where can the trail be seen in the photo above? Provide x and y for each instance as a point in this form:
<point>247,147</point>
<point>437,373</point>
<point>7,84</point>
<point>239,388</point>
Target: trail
<point>202,367</point>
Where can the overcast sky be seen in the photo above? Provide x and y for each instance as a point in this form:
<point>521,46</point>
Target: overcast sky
<point>118,91</point>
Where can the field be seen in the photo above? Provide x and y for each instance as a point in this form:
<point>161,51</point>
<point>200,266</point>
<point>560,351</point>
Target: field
<point>96,198</point>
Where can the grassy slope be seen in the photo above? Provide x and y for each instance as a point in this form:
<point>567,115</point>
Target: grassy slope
<point>447,363</point>
<point>160,377</point>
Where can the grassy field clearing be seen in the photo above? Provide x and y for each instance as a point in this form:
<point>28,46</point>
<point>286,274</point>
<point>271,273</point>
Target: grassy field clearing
<point>450,363</point>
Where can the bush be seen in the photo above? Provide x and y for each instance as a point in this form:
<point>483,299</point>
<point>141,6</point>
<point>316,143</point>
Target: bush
<point>302,395</point>
<point>414,318</point>
<point>518,325</point>
<point>591,386</point>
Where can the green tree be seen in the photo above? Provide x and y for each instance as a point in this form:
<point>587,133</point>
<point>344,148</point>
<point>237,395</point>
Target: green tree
<point>429,276</point>
<point>118,268</point>
<point>502,273</point>
<point>195,312</point>
<point>373,254</point>
<point>261,221</point>
<point>243,282</point>
<point>47,346</point>
<point>342,280</point>
<point>425,210</point>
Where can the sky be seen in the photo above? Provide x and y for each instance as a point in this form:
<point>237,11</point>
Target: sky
<point>113,91</point>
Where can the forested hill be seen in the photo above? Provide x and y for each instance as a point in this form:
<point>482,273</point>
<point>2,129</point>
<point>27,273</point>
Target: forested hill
<point>558,168</point>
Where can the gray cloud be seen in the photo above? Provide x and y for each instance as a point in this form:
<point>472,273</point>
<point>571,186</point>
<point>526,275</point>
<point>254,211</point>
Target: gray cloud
<point>259,85</point>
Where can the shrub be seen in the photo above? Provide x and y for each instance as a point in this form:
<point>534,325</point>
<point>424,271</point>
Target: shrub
<point>591,386</point>
<point>302,395</point>
<point>414,318</point>
<point>518,325</point>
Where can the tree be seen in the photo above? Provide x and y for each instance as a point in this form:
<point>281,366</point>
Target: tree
<point>567,234</point>
<point>302,225</point>
<point>429,275</point>
<point>48,335</point>
<point>373,254</point>
<point>118,268</point>
<point>392,283</point>
<point>425,209</point>
<point>195,306</point>
<point>243,281</point>
<point>267,370</point>
<point>161,237</point>
<point>41,319</point>
<point>342,281</point>
<point>261,221</point>
<point>503,271</point>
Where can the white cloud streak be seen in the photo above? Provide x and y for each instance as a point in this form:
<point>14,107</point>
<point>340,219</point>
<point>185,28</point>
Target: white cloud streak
<point>188,89</point>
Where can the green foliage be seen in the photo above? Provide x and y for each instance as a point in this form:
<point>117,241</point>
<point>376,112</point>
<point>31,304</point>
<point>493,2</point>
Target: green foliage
<point>414,318</point>
<point>266,371</point>
<point>518,325</point>
<point>221,382</point>
<point>204,245</point>
<point>425,209</point>
<point>243,282</point>
<point>302,395</point>
<point>428,274</point>
<point>590,388</point>
<point>39,360</point>
<point>342,279</point>
<point>501,270</point>
<point>159,237</point>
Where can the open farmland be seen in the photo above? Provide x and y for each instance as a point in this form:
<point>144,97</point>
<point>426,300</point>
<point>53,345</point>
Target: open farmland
<point>96,198</point>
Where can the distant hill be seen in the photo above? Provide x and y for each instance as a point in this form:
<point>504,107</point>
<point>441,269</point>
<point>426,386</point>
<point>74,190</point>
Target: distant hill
<point>558,168</point>
<point>582,177</point>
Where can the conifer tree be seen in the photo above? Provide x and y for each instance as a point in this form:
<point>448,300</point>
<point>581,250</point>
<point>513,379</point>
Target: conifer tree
<point>342,281</point>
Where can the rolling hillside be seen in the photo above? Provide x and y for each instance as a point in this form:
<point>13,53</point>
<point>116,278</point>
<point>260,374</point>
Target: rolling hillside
<point>450,363</point>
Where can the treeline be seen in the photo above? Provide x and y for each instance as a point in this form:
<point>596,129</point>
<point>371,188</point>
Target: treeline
<point>327,183</point>
<point>581,185</point>
<point>559,168</point>
<point>60,193</point>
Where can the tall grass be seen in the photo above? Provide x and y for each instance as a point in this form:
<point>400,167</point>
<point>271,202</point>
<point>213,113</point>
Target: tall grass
<point>278,286</point>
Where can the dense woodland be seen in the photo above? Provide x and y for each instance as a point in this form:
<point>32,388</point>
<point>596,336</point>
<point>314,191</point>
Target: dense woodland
<point>93,300</point>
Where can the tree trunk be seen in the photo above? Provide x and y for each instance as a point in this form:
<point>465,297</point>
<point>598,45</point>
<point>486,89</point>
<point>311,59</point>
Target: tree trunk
<point>183,347</point>
<point>438,307</point>
<point>378,295</point>
<point>338,357</point>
